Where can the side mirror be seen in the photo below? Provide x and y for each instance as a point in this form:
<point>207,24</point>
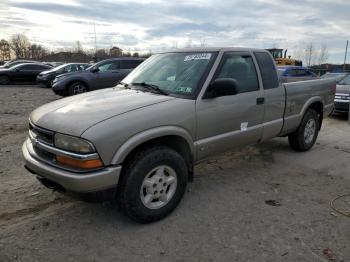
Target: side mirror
<point>95,69</point>
<point>17,69</point>
<point>222,87</point>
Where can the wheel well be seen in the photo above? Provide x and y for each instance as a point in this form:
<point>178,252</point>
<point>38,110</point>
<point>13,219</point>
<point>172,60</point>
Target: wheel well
<point>77,81</point>
<point>177,143</point>
<point>318,107</point>
<point>5,75</point>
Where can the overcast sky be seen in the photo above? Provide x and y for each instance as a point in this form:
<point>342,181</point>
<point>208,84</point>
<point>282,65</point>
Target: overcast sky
<point>156,25</point>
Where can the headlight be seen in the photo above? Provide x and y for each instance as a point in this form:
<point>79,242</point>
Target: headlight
<point>43,76</point>
<point>59,78</point>
<point>73,144</point>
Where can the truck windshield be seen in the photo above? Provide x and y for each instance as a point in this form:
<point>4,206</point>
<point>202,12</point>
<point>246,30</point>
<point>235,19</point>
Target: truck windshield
<point>174,73</point>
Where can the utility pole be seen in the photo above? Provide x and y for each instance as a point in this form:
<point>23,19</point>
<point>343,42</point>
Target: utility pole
<point>346,52</point>
<point>95,37</point>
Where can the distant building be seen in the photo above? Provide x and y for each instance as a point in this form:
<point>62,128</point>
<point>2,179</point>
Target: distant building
<point>115,51</point>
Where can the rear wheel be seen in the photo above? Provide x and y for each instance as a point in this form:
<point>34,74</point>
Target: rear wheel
<point>306,134</point>
<point>77,88</point>
<point>4,80</point>
<point>152,184</point>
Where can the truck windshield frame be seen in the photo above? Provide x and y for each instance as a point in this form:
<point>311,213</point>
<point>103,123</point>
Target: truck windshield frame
<point>179,74</point>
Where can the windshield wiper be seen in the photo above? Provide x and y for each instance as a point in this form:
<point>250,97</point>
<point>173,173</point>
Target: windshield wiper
<point>123,84</point>
<point>151,87</point>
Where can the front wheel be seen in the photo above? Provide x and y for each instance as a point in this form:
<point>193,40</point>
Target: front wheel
<point>77,88</point>
<point>4,80</point>
<point>306,134</point>
<point>152,184</point>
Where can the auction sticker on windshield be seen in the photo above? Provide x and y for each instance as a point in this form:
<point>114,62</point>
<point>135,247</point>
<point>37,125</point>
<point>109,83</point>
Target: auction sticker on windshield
<point>205,56</point>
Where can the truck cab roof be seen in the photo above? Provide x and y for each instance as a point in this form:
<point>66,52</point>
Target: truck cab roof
<point>215,49</point>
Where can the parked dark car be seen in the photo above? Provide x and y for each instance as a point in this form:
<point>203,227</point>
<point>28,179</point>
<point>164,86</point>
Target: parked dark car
<point>106,73</point>
<point>45,78</point>
<point>21,73</point>
<point>342,96</point>
<point>53,64</point>
<point>338,76</point>
<point>12,63</point>
<point>294,73</point>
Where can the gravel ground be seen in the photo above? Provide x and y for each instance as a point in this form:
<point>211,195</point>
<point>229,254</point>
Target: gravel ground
<point>223,216</point>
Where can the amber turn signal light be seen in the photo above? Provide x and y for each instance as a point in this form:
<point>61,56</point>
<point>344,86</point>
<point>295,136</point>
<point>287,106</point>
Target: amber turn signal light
<point>84,164</point>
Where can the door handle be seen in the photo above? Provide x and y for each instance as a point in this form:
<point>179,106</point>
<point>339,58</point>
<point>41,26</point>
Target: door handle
<point>260,100</point>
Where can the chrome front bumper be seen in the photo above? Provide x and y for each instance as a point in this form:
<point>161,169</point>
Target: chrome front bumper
<point>78,182</point>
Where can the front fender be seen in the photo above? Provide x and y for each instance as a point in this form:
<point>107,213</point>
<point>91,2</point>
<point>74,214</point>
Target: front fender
<point>147,135</point>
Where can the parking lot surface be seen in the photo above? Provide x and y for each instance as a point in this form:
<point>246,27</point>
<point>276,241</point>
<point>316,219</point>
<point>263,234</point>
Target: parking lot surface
<point>259,203</point>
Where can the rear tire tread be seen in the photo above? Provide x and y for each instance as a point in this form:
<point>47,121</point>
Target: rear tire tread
<point>296,139</point>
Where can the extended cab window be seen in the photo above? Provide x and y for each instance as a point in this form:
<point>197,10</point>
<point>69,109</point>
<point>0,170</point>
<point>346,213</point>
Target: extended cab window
<point>267,70</point>
<point>240,68</point>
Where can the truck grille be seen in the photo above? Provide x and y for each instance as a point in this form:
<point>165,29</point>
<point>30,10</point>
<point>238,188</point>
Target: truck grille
<point>339,97</point>
<point>42,135</point>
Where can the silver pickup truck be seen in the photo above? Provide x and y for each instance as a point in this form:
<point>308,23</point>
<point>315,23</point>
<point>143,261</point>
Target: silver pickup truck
<point>144,136</point>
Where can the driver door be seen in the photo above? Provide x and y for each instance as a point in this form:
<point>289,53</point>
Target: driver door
<point>234,120</point>
<point>109,74</point>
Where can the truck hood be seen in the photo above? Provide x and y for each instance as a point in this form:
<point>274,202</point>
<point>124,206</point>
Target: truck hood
<point>73,115</point>
<point>345,89</point>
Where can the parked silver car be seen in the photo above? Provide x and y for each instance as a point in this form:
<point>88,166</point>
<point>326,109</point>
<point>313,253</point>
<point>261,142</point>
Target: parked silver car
<point>144,136</point>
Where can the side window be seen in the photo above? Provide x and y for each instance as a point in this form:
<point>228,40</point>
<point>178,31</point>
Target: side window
<point>34,67</point>
<point>289,72</point>
<point>301,72</point>
<point>73,68</point>
<point>108,66</point>
<point>26,67</point>
<point>81,67</point>
<point>135,63</point>
<point>126,64</point>
<point>267,69</point>
<point>114,66</point>
<point>129,64</point>
<point>240,68</point>
<point>67,69</point>
<point>294,72</point>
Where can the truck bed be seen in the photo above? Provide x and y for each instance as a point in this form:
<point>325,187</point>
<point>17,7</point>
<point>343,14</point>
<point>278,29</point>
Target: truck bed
<point>300,95</point>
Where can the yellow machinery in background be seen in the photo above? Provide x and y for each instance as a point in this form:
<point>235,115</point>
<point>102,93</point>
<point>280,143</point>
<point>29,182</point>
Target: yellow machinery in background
<point>281,57</point>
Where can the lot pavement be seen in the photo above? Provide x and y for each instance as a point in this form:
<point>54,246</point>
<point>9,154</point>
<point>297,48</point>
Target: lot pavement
<point>223,216</point>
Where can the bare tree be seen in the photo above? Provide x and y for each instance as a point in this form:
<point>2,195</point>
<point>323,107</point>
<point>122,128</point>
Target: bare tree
<point>309,53</point>
<point>5,51</point>
<point>78,47</point>
<point>323,54</point>
<point>19,43</point>
<point>101,54</point>
<point>36,51</point>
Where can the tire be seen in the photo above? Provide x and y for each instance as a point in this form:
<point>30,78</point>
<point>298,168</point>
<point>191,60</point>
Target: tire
<point>148,190</point>
<point>305,136</point>
<point>77,88</point>
<point>4,80</point>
